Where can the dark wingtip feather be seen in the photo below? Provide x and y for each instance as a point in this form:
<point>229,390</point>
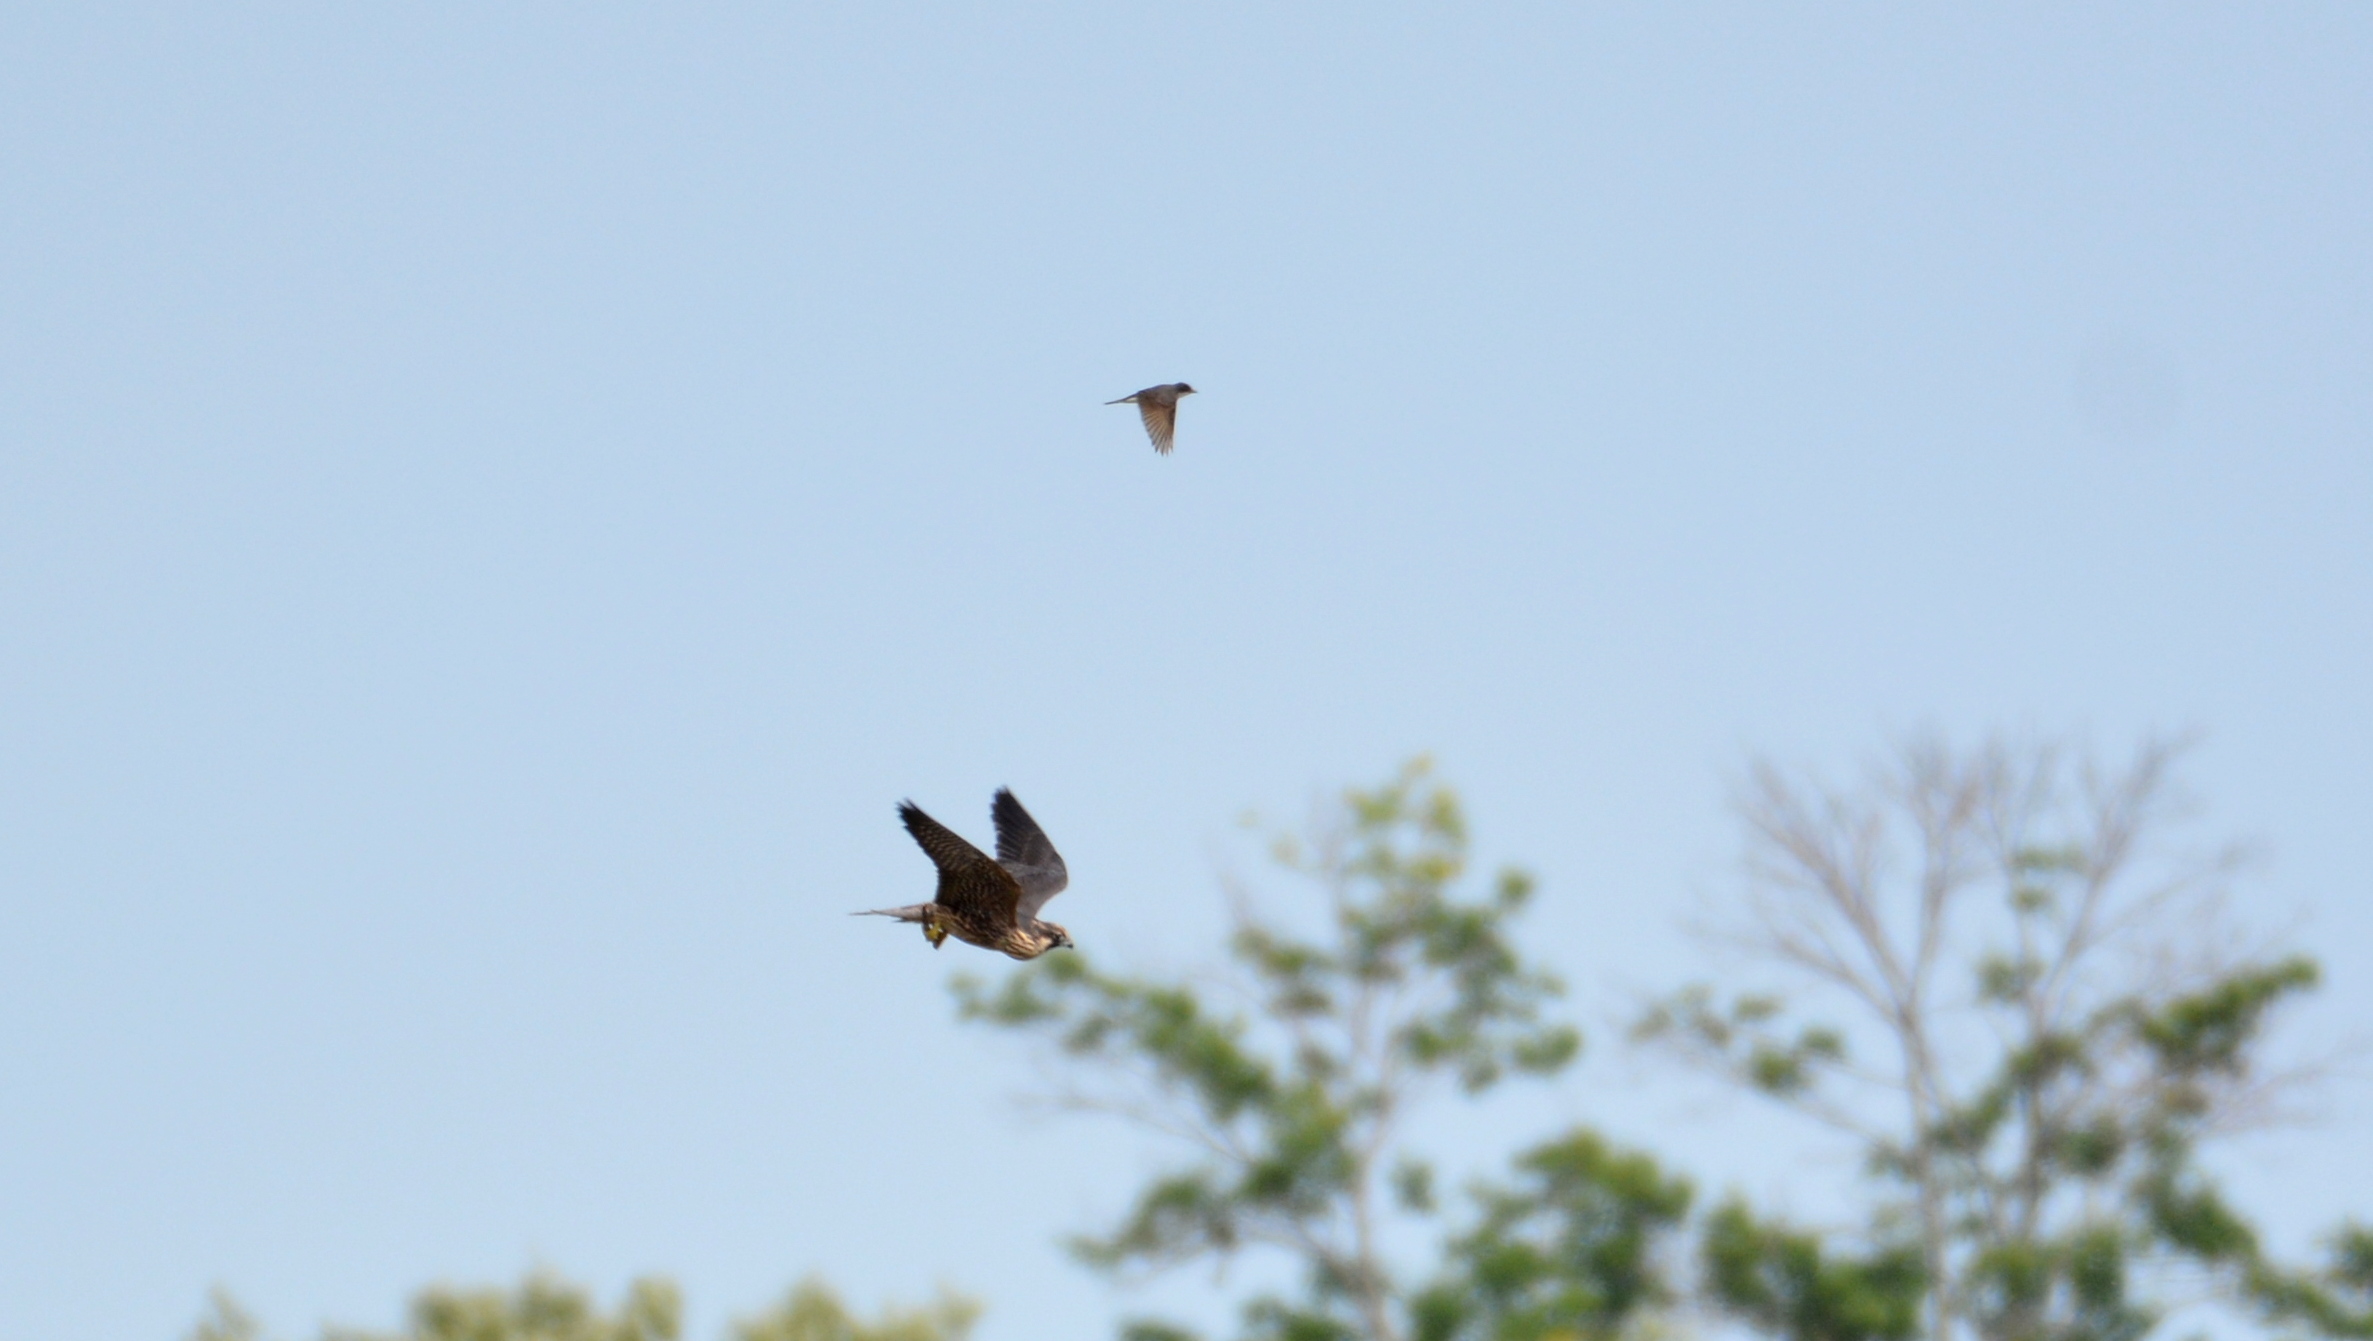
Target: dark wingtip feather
<point>1005,808</point>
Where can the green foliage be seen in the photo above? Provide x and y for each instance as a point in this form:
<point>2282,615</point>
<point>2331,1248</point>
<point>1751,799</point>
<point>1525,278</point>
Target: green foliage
<point>2208,1033</point>
<point>1787,1282</point>
<point>1147,1330</point>
<point>1569,1250</point>
<point>2335,1301</point>
<point>2071,1285</point>
<point>1742,1040</point>
<point>542,1308</point>
<point>1292,1110</point>
<point>813,1312</point>
<point>2043,1181</point>
<point>546,1308</point>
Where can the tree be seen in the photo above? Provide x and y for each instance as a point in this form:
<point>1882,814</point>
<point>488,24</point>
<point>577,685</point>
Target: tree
<point>2000,977</point>
<point>813,1312</point>
<point>544,1307</point>
<point>1568,1250</point>
<point>1289,1108</point>
<point>2041,1033</point>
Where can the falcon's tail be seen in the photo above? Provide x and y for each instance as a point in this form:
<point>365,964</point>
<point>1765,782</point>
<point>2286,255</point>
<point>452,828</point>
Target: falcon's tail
<point>913,912</point>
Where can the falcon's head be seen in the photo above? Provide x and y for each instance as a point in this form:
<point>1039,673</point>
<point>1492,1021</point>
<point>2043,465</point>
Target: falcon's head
<point>1056,937</point>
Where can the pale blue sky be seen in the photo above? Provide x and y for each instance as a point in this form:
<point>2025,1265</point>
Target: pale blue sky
<point>496,507</point>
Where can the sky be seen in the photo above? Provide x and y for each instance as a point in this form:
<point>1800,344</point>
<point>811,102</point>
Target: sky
<point>498,504</point>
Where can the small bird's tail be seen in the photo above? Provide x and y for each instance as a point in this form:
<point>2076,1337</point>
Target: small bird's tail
<point>1125,400</point>
<point>913,912</point>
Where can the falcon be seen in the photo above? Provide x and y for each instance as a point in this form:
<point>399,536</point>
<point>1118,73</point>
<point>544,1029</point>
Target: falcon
<point>1158,407</point>
<point>991,904</point>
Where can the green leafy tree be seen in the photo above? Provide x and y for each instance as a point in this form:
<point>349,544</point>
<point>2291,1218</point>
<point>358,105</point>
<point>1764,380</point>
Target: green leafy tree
<point>1288,1096</point>
<point>813,1312</point>
<point>2047,1036</point>
<point>1788,1282</point>
<point>1567,1251</point>
<point>543,1307</point>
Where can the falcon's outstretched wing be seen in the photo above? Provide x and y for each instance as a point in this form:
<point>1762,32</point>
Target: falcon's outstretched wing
<point>977,888</point>
<point>1024,850</point>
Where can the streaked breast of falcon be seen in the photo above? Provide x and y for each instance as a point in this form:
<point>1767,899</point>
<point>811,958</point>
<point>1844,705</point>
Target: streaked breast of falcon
<point>1158,407</point>
<point>991,903</point>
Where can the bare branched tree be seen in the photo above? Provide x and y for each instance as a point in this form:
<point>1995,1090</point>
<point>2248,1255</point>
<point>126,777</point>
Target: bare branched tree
<point>2043,1019</point>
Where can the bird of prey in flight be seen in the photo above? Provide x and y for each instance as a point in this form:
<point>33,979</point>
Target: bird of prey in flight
<point>991,904</point>
<point>1158,407</point>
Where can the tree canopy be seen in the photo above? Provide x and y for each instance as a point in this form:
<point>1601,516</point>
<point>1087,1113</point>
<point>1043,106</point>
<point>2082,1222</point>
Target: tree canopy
<point>1998,972</point>
<point>545,1307</point>
<point>1287,1096</point>
<point>2041,1026</point>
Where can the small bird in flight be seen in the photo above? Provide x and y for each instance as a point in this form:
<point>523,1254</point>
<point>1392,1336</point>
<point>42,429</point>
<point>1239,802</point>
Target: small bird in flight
<point>991,904</point>
<point>1158,407</point>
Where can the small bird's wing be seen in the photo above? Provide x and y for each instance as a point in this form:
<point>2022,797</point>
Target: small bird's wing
<point>1161,420</point>
<point>1024,850</point>
<point>976,887</point>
